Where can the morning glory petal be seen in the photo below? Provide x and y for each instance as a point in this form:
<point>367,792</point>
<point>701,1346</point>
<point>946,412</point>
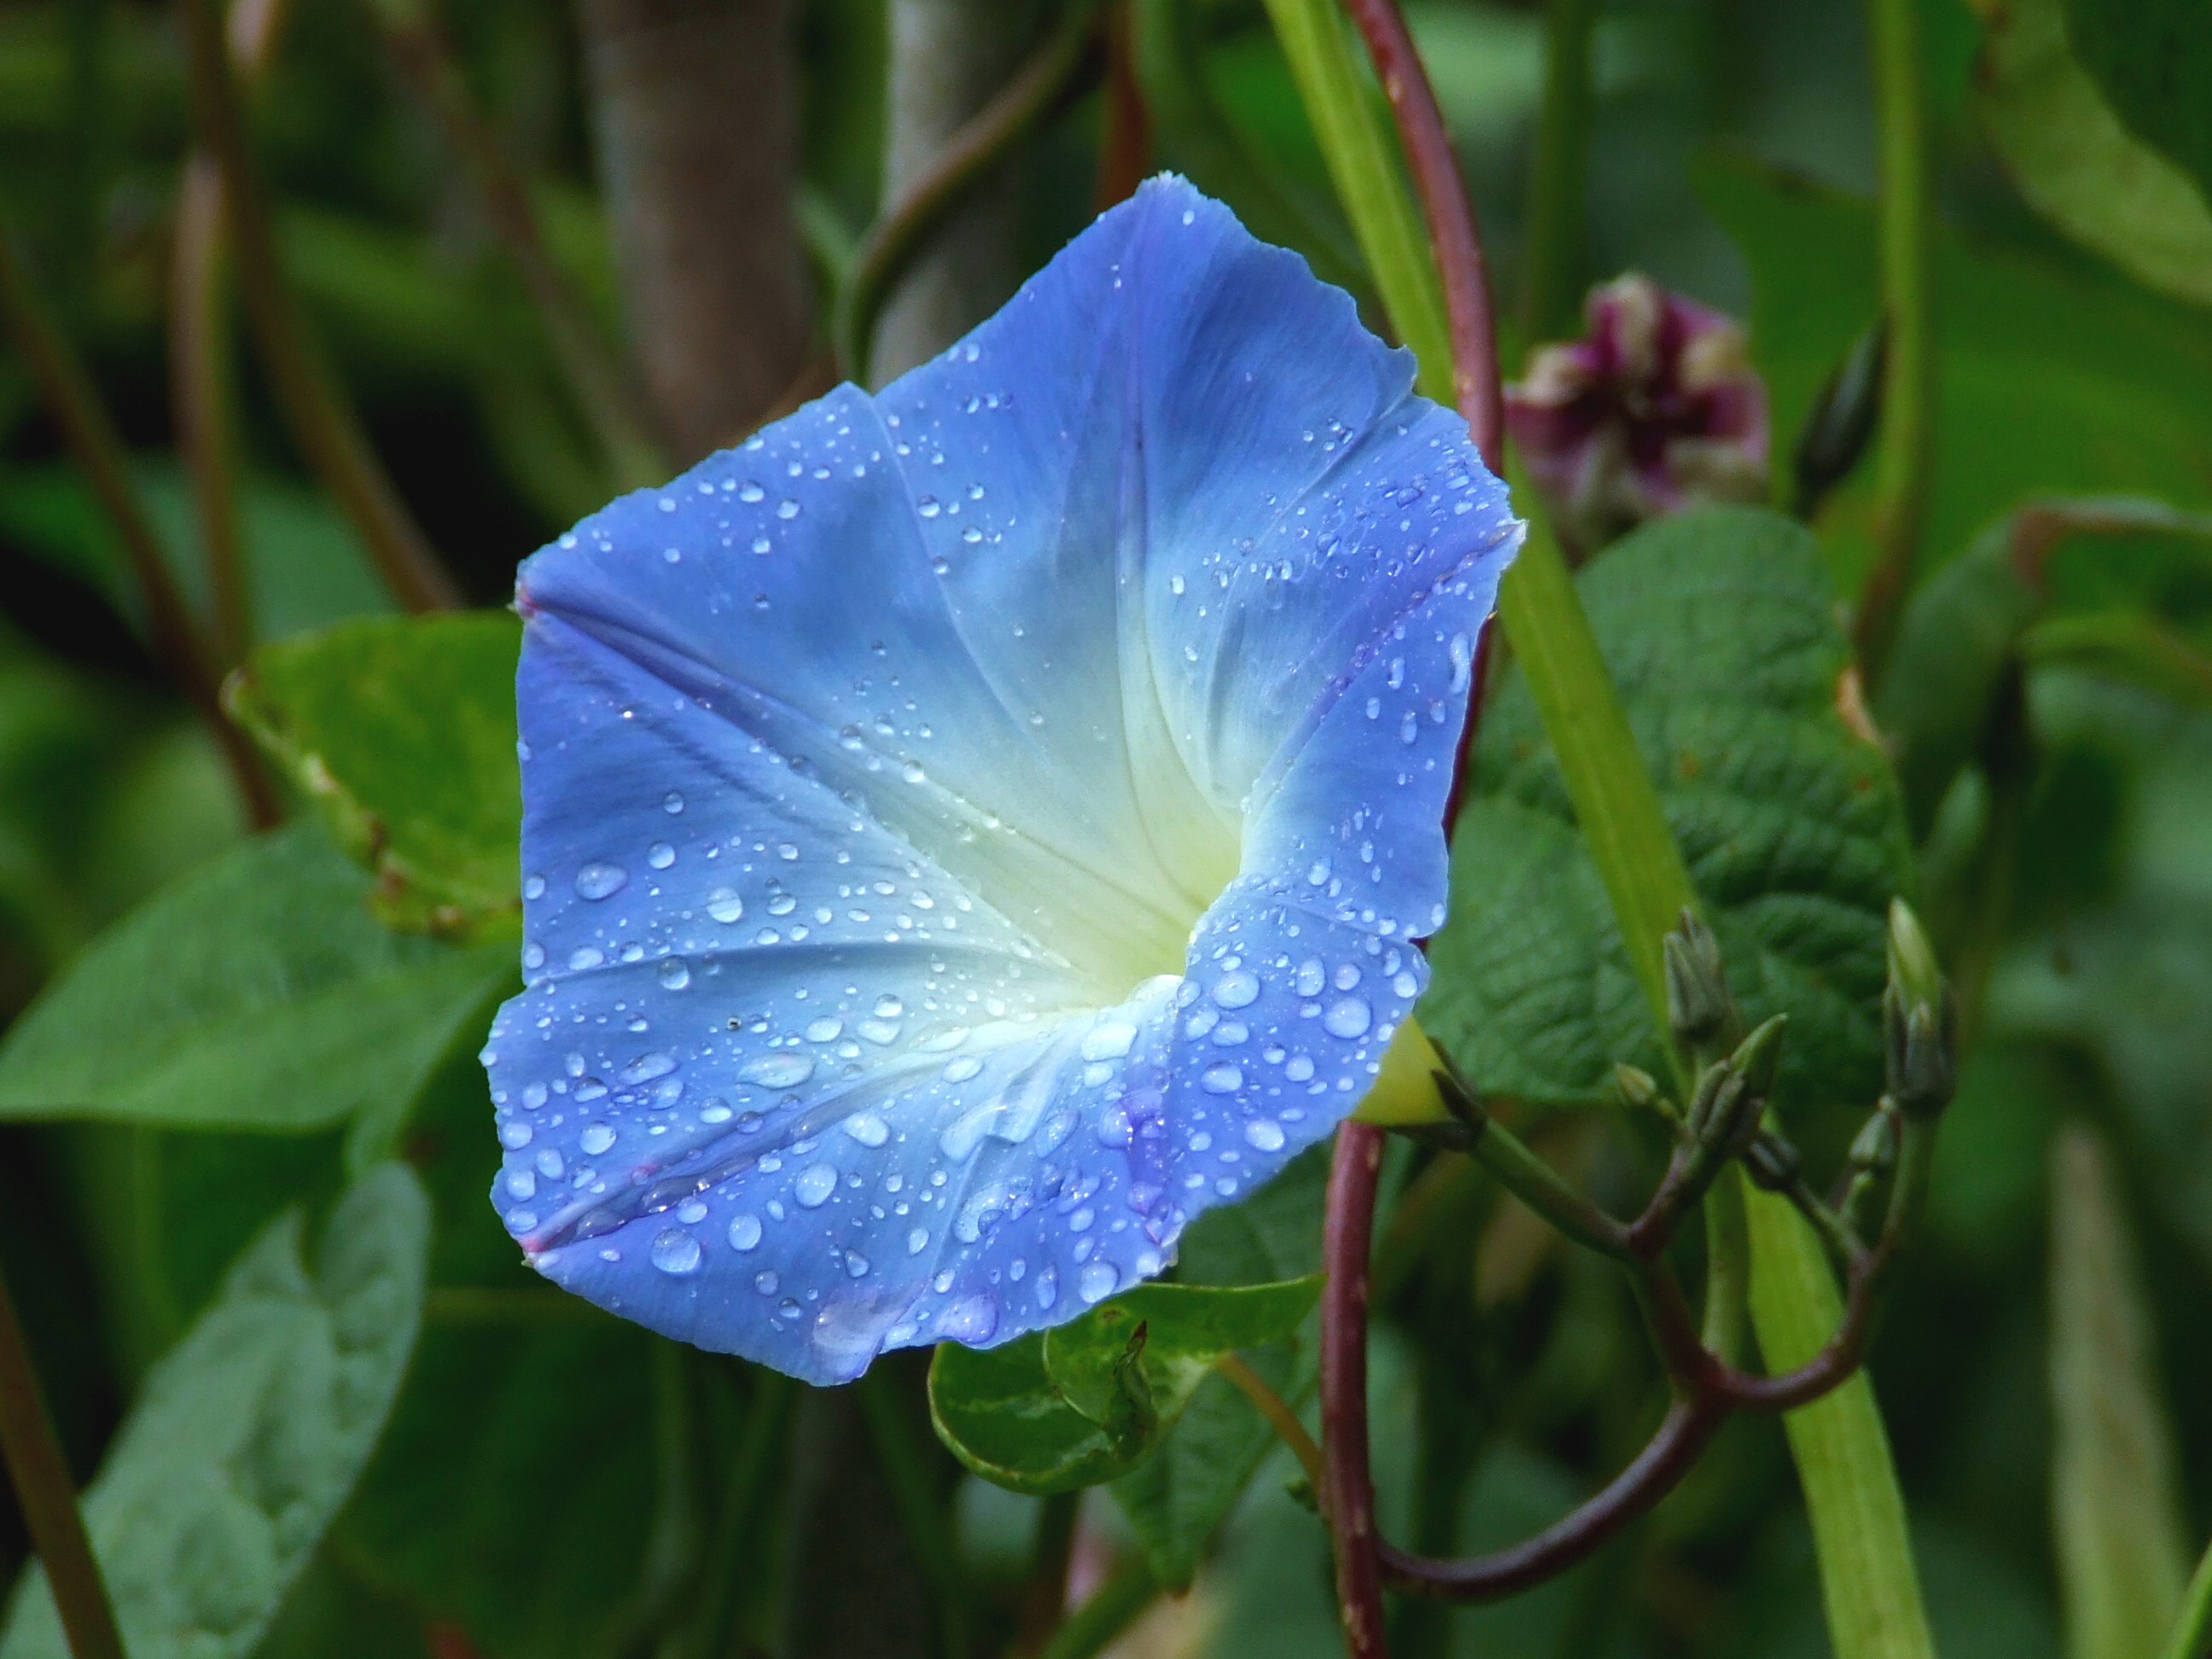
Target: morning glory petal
<point>970,831</point>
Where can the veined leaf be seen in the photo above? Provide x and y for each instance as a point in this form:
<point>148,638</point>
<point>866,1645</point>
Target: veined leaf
<point>402,729</point>
<point>259,993</point>
<point>248,1436</point>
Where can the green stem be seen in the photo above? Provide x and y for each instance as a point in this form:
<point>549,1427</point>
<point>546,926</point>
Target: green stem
<point>1559,173</point>
<point>905,1460</point>
<point>1868,1585</point>
<point>1728,1267</point>
<point>322,422</point>
<point>1363,164</point>
<point>48,1497</point>
<point>1280,1418</point>
<point>1112,1608</point>
<point>1842,1455</point>
<point>2192,1631</point>
<point>1615,802</point>
<point>1904,444</point>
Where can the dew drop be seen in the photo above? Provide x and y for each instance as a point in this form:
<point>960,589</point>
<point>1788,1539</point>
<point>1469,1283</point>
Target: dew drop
<point>867,1129</point>
<point>1096,1281</point>
<point>1312,977</point>
<point>1221,1079</point>
<point>745,1231</point>
<point>1348,1016</point>
<point>598,879</point>
<point>674,974</point>
<point>814,1186</point>
<point>724,904</point>
<point>1238,989</point>
<point>782,1069</point>
<point>675,1252</point>
<point>1263,1134</point>
<point>660,855</point>
<point>596,1139</point>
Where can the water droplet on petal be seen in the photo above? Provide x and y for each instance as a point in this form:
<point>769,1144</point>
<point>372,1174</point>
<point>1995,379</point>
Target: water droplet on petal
<point>675,1252</point>
<point>1263,1134</point>
<point>724,904</point>
<point>1348,1016</point>
<point>1238,989</point>
<point>867,1129</point>
<point>660,855</point>
<point>674,974</point>
<point>814,1185</point>
<point>745,1231</point>
<point>780,1070</point>
<point>596,1139</point>
<point>1097,1280</point>
<point>1221,1079</point>
<point>599,879</point>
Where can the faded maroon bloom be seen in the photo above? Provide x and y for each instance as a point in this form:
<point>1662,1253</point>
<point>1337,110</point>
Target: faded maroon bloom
<point>1655,409</point>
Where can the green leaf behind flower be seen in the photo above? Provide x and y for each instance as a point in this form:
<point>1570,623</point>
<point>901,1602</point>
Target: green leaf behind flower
<point>1720,631</point>
<point>259,993</point>
<point>402,729</point>
<point>1090,1399</point>
<point>248,1436</point>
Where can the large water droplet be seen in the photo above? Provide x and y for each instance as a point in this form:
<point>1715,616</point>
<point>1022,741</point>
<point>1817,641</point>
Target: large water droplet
<point>1238,989</point>
<point>724,904</point>
<point>867,1129</point>
<point>646,1068</point>
<point>599,879</point>
<point>780,1070</point>
<point>660,855</point>
<point>1097,1280</point>
<point>814,1185</point>
<point>1221,1079</point>
<point>675,1252</point>
<point>1109,1039</point>
<point>961,1069</point>
<point>1264,1135</point>
<point>1348,1016</point>
<point>825,1029</point>
<point>674,974</point>
<point>745,1231</point>
<point>596,1139</point>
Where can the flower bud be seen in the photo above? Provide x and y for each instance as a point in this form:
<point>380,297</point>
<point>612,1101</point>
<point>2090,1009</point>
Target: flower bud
<point>1699,1006</point>
<point>1920,1022</point>
<point>1655,409</point>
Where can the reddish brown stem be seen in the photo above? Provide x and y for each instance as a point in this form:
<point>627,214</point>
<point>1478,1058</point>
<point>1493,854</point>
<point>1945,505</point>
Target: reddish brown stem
<point>1349,1502</point>
<point>1125,135</point>
<point>1684,1434</point>
<point>75,405</point>
<point>1475,384</point>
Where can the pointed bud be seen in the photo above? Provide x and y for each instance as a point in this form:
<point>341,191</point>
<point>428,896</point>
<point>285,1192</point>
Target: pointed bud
<point>1875,1148</point>
<point>1919,1021</point>
<point>1758,1058</point>
<point>1842,420</point>
<point>1638,1089</point>
<point>1771,1163</point>
<point>1699,1006</point>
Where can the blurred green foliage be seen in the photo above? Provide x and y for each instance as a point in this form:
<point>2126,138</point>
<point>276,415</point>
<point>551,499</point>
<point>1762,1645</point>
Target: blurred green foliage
<point>229,1033</point>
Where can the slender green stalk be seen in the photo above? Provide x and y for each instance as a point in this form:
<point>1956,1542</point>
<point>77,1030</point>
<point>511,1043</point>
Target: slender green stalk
<point>1559,173</point>
<point>920,1505</point>
<point>322,422</point>
<point>1868,1585</point>
<point>1842,1455</point>
<point>1616,804</point>
<point>1112,1608</point>
<point>1362,163</point>
<point>1280,1418</point>
<point>740,1519</point>
<point>2192,1631</point>
<point>1905,445</point>
<point>1728,1267</point>
<point>43,1487</point>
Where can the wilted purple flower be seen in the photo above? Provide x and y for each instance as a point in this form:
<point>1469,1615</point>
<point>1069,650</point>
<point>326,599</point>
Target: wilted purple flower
<point>971,830</point>
<point>1655,409</point>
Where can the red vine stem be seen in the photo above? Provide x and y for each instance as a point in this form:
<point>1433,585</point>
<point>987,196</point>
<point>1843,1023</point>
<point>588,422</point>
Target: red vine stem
<point>1475,382</point>
<point>1349,1501</point>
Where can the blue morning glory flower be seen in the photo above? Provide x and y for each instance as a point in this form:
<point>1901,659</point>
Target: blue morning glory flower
<point>970,830</point>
